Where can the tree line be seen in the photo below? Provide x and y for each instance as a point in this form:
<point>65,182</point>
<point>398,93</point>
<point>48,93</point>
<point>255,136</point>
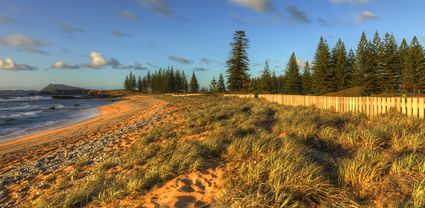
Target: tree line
<point>162,81</point>
<point>377,66</point>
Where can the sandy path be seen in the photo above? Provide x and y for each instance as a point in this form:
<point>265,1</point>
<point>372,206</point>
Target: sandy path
<point>196,189</point>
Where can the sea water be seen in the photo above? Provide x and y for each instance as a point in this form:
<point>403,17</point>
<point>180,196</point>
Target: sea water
<point>23,115</point>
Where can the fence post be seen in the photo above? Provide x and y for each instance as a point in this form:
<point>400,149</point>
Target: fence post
<point>367,106</point>
<point>421,107</point>
<point>415,107</point>
<point>384,105</point>
<point>393,102</point>
<point>409,106</point>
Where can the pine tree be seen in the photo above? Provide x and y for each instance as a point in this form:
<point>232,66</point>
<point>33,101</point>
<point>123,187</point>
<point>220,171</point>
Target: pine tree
<point>149,81</point>
<point>194,86</point>
<point>307,79</point>
<point>321,76</point>
<point>178,81</point>
<point>408,73</point>
<point>275,83</point>
<point>417,63</point>
<point>144,85</point>
<point>364,71</point>
<point>351,59</point>
<point>377,59</point>
<point>185,83</point>
<point>221,86</point>
<point>213,85</point>
<point>126,83</point>
<point>139,84</point>
<point>171,86</point>
<point>340,65</point>
<point>132,82</point>
<point>293,82</point>
<point>237,72</point>
<point>391,67</point>
<point>266,79</point>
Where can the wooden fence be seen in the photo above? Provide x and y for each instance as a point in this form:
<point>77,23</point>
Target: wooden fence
<point>411,106</point>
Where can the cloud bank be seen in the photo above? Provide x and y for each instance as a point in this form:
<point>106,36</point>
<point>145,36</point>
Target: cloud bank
<point>97,61</point>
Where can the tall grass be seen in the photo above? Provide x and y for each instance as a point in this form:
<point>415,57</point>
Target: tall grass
<point>274,156</point>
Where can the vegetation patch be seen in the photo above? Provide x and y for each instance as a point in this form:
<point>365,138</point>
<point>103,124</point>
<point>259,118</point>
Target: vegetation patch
<point>272,156</point>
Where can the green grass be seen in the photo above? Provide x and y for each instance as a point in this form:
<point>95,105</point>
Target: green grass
<point>274,156</point>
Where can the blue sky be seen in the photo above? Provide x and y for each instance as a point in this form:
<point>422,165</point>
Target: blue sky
<point>95,43</point>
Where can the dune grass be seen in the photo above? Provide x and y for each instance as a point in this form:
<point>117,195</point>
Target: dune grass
<point>274,156</point>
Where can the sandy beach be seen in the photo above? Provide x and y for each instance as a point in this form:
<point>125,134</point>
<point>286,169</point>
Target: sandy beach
<point>34,157</point>
<point>43,136</point>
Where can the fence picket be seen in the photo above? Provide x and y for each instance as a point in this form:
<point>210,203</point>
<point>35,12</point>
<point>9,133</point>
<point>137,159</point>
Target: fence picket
<point>409,106</point>
<point>421,107</point>
<point>415,110</point>
<point>414,107</point>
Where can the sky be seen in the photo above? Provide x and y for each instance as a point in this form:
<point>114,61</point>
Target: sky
<point>96,43</point>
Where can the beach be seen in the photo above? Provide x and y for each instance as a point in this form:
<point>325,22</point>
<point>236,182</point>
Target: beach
<point>37,156</point>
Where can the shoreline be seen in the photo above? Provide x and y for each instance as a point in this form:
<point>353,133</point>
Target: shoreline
<point>85,116</point>
<point>45,135</point>
<point>28,162</point>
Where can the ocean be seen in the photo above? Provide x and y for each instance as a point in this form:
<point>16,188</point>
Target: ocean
<point>23,115</point>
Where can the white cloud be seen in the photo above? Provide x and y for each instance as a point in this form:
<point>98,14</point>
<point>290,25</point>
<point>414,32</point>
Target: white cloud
<point>366,16</point>
<point>256,5</point>
<point>349,1</point>
<point>63,65</point>
<point>19,40</point>
<point>9,64</point>
<point>96,60</point>
<point>58,65</point>
<point>300,63</point>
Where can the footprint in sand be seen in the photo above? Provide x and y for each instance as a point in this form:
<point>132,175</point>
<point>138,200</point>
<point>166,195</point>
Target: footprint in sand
<point>192,190</point>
